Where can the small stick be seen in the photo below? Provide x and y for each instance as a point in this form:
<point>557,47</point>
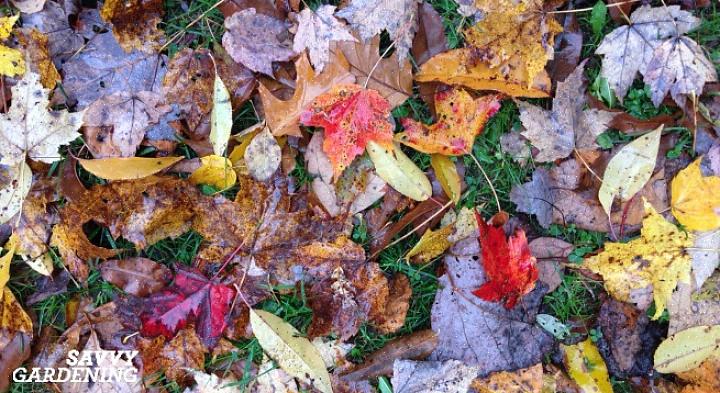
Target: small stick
<point>492,187</point>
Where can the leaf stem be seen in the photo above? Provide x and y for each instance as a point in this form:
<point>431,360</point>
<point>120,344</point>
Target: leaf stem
<point>492,187</point>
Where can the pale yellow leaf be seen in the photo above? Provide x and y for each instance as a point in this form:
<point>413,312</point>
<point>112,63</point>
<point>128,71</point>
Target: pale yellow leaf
<point>127,168</point>
<point>447,175</point>
<point>216,171</point>
<point>685,350</point>
<point>399,171</point>
<point>629,170</point>
<point>294,353</point>
<point>262,155</point>
<point>220,117</point>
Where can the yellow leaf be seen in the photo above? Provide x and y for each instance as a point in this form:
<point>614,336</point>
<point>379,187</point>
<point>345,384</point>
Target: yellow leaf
<point>629,170</point>
<point>586,367</point>
<point>127,168</point>
<point>446,173</point>
<point>399,171</point>
<point>215,171</point>
<point>463,67</point>
<point>12,315</point>
<point>12,62</point>
<point>658,258</point>
<point>14,192</point>
<point>5,260</point>
<point>696,199</point>
<point>687,349</point>
<point>6,25</point>
<point>262,156</point>
<point>526,380</point>
<point>243,140</point>
<point>220,117</point>
<point>294,353</point>
<point>431,245</point>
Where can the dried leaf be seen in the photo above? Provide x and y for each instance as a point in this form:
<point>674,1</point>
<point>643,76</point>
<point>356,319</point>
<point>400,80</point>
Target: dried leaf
<point>658,259</point>
<point>220,117</point>
<point>294,353</point>
<point>629,169</point>
<point>526,380</point>
<point>216,171</point>
<point>450,376</point>
<point>316,29</point>
<point>136,276</point>
<point>696,199</point>
<point>262,155</point>
<point>127,168</point>
<point>687,349</point>
<point>14,191</point>
<point>393,166</point>
<point>586,367</point>
<point>134,23</point>
<point>461,119</point>
<point>257,40</point>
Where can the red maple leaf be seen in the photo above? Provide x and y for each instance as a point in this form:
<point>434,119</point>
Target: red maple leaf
<point>191,297</point>
<point>509,267</point>
<point>351,116</point>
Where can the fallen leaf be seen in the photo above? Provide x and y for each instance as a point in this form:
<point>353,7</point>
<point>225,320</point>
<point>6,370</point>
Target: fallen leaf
<point>430,38</point>
<point>36,49</point>
<point>391,77</point>
<point>509,267</point>
<point>460,119</point>
<point>316,29</point>
<point>14,191</point>
<point>54,21</point>
<point>703,378</point>
<point>191,297</point>
<point>282,116</point>
<point>481,333</point>
<point>48,286</point>
<point>216,171</point>
<point>658,259</point>
<point>28,6</point>
<point>6,260</point>
<point>136,276</point>
<point>257,40</point>
<point>526,380</point>
<point>568,49</point>
<point>696,199</point>
<point>393,166</point>
<point>397,306</point>
<point>622,326</point>
<point>262,156</point>
<point>294,353</point>
<point>351,117</point>
<point>569,125</point>
<point>397,17</point>
<point>449,376</point>
<point>127,168</point>
<point>135,23</point>
<point>447,175</point>
<point>175,357</point>
<point>687,349</point>
<point>117,368</point>
<point>630,169</point>
<point>586,367</point>
<point>431,245</point>
<point>220,117</point>
<point>210,383</point>
<point>12,62</point>
<point>705,255</point>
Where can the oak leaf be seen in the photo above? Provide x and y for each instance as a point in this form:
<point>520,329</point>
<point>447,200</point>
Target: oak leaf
<point>282,116</point>
<point>696,198</point>
<point>460,119</point>
<point>658,258</point>
<point>316,29</point>
<point>351,116</point>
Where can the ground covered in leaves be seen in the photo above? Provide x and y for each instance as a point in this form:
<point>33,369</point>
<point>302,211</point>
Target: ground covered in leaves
<point>368,195</point>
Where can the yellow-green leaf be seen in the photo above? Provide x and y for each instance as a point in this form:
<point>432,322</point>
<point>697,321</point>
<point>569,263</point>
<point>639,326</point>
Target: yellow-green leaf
<point>447,175</point>
<point>586,367</point>
<point>216,171</point>
<point>629,170</point>
<point>399,171</point>
<point>220,117</point>
<point>127,168</point>
<point>293,352</point>
<point>685,350</point>
<point>431,245</point>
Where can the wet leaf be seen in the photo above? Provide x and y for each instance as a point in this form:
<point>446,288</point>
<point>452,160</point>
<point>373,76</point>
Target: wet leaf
<point>127,168</point>
<point>262,155</point>
<point>393,166</point>
<point>447,175</point>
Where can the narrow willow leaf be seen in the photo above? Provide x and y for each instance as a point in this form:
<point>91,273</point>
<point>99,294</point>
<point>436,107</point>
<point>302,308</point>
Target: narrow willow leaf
<point>129,168</point>
<point>393,166</point>
<point>294,353</point>
<point>220,117</point>
<point>447,175</point>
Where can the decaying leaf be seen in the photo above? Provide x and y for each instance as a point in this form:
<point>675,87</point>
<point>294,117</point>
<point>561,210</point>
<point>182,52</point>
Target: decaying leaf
<point>629,169</point>
<point>294,353</point>
<point>35,45</point>
<point>393,166</point>
<point>431,245</point>
<point>135,23</point>
<point>449,376</point>
<point>586,367</point>
<point>687,349</point>
<point>460,119</point>
<point>316,29</point>
<point>175,357</point>
<point>17,180</point>
<point>658,259</point>
<point>136,276</point>
<point>54,21</point>
<point>262,156</point>
<point>282,116</point>
<point>569,125</point>
<point>696,199</point>
<point>257,40</point>
<point>623,327</point>
<point>525,380</point>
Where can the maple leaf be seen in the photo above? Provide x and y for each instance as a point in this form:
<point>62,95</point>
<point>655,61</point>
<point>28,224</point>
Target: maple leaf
<point>315,31</point>
<point>696,199</point>
<point>282,116</point>
<point>257,40</point>
<point>371,17</point>
<point>351,116</point>
<point>191,297</point>
<point>509,265</point>
<point>29,130</point>
<point>134,23</point>
<point>658,259</point>
<point>460,119</point>
<point>54,21</point>
<point>568,126</point>
<point>654,37</point>
<point>35,47</point>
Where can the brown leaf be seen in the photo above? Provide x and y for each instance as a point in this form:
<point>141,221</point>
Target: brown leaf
<point>417,215</point>
<point>185,351</point>
<point>526,380</point>
<point>619,13</point>
<point>549,252</point>
<point>282,116</point>
<point>35,45</point>
<point>257,40</point>
<point>390,77</point>
<point>15,350</point>
<point>70,185</point>
<point>397,305</point>
<point>621,325</point>
<point>704,378</point>
<point>430,38</point>
<point>136,276</point>
<point>49,286</point>
<point>134,23</point>
<point>568,48</point>
<point>36,220</point>
<point>276,9</point>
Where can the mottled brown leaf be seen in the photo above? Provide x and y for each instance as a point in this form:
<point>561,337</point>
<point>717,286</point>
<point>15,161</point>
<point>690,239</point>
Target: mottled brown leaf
<point>136,276</point>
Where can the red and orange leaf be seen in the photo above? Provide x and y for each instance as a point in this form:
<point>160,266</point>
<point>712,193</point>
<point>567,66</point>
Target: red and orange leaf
<point>509,267</point>
<point>460,119</point>
<point>351,116</point>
